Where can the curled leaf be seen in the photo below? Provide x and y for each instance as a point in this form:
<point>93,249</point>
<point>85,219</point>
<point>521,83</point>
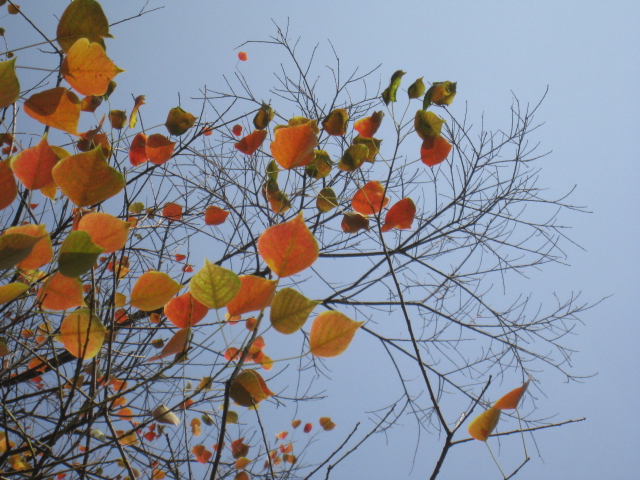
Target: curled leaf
<point>368,126</point>
<point>389,94</point>
<point>179,121</point>
<point>336,122</point>
<point>249,389</point>
<point>252,142</point>
<point>483,425</point>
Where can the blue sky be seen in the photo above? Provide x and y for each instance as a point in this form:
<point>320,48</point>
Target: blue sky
<point>586,54</point>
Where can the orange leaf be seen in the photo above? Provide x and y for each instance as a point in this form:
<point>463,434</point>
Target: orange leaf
<point>242,463</point>
<point>33,166</point>
<point>125,413</point>
<point>138,102</point>
<point>252,142</point>
<point>327,424</point>
<point>202,454</point>
<point>82,334</point>
<point>288,248</point>
<point>159,148</point>
<point>242,56</point>
<point>61,293</point>
<point>331,333</point>
<point>195,426</point>
<point>367,127</point>
<point>511,399</point>
<point>353,222</point>
<point>369,199</point>
<point>153,290</point>
<point>57,108</point>
<point>178,344</point>
<point>400,215</point>
<point>239,448</point>
<point>434,150</point>
<point>8,186</point>
<point>249,388</point>
<point>87,178</point>
<point>293,146</point>
<point>296,423</point>
<point>106,231</point>
<point>336,122</point>
<point>87,68</point>
<point>185,311</point>
<point>130,439</point>
<point>255,293</point>
<point>482,426</point>
<point>214,215</point>
<point>42,252</point>
<point>172,212</point>
<point>138,150</point>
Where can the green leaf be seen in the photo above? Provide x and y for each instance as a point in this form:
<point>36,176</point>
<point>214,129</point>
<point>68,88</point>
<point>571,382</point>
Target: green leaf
<point>214,286</point>
<point>179,121</point>
<point>15,247</point>
<point>78,254</point>
<point>290,310</point>
<point>82,19</point>
<point>417,88</point>
<point>389,94</point>
<point>326,200</point>
<point>9,85</point>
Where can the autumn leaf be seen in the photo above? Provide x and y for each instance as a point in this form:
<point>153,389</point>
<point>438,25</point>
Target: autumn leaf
<point>138,102</point>
<point>440,93</point>
<point>510,400</point>
<point>172,212</point>
<point>215,215</point>
<point>161,414</point>
<point>202,454</point>
<point>417,88</point>
<point>239,448</point>
<point>61,293</point>
<point>82,19</point>
<point>326,200</point>
<point>153,290</point>
<point>175,346</point>
<point>368,126</point>
<point>77,254</point>
<point>9,85</point>
<point>483,425</point>
<point>370,199</point>
<point>353,158</point>
<point>327,424</point>
<point>42,252</point>
<point>255,294</point>
<point>57,107</point>
<point>214,286</point>
<point>288,248</point>
<point>400,215</point>
<point>321,165</point>
<point>252,142</point>
<point>195,426</point>
<point>87,179</point>
<point>242,56</point>
<point>373,144</point>
<point>8,186</point>
<point>159,149</point>
<point>15,247</point>
<point>331,333</point>
<point>434,150</point>
<point>185,311</point>
<point>293,145</point>
<point>138,150</point>
<point>249,388</point>
<point>389,94</point>
<point>263,116</point>
<point>179,121</point>
<point>82,334</point>
<point>336,122</point>
<point>353,222</point>
<point>118,119</point>
<point>290,310</point>
<point>237,130</point>
<point>88,69</point>
<point>106,231</point>
<point>427,124</point>
<point>11,291</point>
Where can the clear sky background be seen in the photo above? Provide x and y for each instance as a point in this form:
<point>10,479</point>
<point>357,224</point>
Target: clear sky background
<point>587,53</point>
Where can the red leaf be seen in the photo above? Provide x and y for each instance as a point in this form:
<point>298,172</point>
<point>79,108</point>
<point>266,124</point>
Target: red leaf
<point>215,215</point>
<point>252,142</point>
<point>434,150</point>
<point>400,215</point>
<point>237,130</point>
<point>242,56</point>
